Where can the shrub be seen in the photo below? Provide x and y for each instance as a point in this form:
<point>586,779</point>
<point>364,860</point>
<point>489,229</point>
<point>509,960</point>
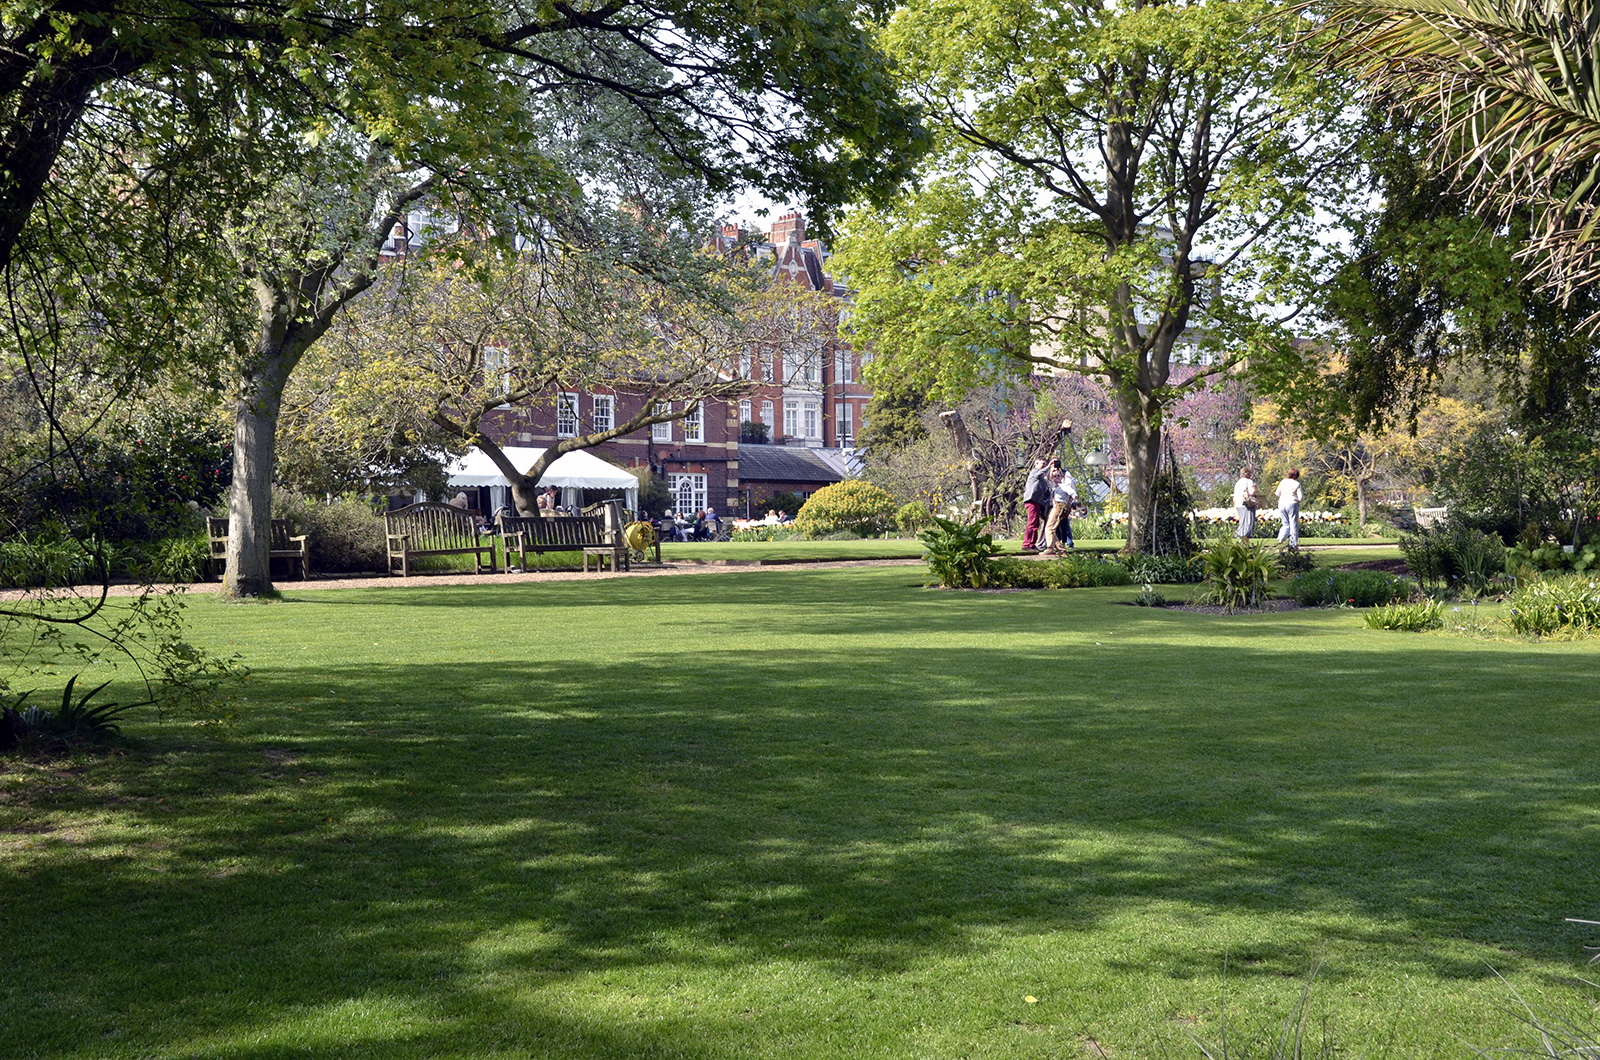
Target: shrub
<point>912,517</point>
<point>1357,588</point>
<point>1068,572</point>
<point>960,555</point>
<point>763,533</point>
<point>1407,617</point>
<point>180,559</point>
<point>1293,561</point>
<point>345,536</point>
<point>1454,553</point>
<point>1237,573</point>
<point>1569,604</point>
<point>45,562</point>
<point>1551,556</point>
<point>74,721</point>
<point>855,505</point>
<point>1165,570</point>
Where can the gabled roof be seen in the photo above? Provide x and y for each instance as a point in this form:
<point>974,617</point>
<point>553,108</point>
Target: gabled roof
<point>783,463</point>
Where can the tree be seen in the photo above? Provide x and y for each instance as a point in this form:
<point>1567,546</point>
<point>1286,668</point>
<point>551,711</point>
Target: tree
<point>1428,300</point>
<point>789,97</point>
<point>1115,190</point>
<point>1509,97</point>
<point>683,95</point>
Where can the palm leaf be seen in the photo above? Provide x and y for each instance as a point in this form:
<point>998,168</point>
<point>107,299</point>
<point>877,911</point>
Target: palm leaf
<point>1512,91</point>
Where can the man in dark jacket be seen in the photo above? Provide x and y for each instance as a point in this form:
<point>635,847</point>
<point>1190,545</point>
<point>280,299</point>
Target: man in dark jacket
<point>1035,502</point>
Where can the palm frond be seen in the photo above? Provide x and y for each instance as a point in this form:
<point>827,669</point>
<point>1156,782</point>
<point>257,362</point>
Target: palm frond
<point>1511,89</point>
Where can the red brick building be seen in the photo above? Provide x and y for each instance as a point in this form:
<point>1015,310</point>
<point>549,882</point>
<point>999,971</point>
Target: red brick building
<point>814,401</point>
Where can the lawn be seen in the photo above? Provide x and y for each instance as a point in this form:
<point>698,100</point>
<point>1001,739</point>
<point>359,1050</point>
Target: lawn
<point>808,814</point>
<point>879,548</point>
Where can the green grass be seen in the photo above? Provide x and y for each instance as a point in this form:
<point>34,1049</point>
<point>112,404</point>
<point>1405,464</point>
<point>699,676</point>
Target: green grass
<point>806,814</point>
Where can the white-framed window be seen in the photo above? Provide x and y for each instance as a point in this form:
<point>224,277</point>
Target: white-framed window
<point>813,369</point>
<point>694,424</point>
<point>744,365</point>
<point>744,411</point>
<point>661,432</point>
<point>791,419</point>
<point>843,425</point>
<point>497,369</point>
<point>768,418</point>
<point>605,412</point>
<point>813,420</point>
<point>688,492</point>
<point>566,415</point>
<point>843,367</point>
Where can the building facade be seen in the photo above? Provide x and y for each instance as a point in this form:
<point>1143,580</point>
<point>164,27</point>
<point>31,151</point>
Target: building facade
<point>814,400</point>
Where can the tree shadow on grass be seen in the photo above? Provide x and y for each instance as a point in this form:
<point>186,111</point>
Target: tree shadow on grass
<point>462,835</point>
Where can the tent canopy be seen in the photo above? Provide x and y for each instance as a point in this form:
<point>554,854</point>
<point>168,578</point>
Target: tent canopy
<point>577,470</point>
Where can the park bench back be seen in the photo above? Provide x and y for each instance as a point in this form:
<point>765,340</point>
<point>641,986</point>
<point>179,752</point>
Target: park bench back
<point>282,545</point>
<point>588,534</point>
<point>432,529</point>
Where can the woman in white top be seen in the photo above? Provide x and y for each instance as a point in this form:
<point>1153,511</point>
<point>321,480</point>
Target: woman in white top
<point>1289,497</point>
<point>1244,503</point>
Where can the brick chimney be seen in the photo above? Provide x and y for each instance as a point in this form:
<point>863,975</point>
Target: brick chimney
<point>791,226</point>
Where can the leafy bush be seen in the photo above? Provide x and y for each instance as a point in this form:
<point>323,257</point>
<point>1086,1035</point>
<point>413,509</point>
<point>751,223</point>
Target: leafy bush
<point>75,721</point>
<point>913,516</point>
<point>855,505</point>
<point>45,561</point>
<point>1454,553</point>
<point>1551,556</point>
<point>1407,617</point>
<point>1293,561</point>
<point>180,559</point>
<point>1165,570</point>
<point>1357,588</point>
<point>960,555</point>
<point>1068,572</point>
<point>1569,604</point>
<point>1237,573</point>
<point>345,536</point>
<point>763,533</point>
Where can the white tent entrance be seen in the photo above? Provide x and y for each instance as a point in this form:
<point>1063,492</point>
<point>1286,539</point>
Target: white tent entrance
<point>571,473</point>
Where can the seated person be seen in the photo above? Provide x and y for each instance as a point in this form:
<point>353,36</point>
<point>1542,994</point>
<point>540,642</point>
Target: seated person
<point>698,531</point>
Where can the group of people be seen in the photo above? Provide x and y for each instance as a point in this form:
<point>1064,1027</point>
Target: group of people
<point>705,526</point>
<point>1290,495</point>
<point>1049,495</point>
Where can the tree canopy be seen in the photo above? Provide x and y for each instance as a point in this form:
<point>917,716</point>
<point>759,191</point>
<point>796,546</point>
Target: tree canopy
<point>1115,190</point>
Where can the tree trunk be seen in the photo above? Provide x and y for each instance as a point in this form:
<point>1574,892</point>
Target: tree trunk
<point>962,440</point>
<point>1141,440</point>
<point>1361,500</point>
<point>255,449</point>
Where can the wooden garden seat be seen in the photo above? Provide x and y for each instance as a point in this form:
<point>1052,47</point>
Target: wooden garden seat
<point>431,529</point>
<point>293,548</point>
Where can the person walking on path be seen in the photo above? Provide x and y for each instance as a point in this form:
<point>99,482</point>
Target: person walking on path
<point>1244,503</point>
<point>1289,497</point>
<point>1035,500</point>
<point>1064,494</point>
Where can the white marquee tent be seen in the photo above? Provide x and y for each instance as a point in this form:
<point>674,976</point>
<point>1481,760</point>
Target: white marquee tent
<point>570,473</point>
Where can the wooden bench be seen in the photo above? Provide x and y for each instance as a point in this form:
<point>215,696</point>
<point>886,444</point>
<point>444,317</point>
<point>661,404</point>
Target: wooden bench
<point>562,533</point>
<point>294,549</point>
<point>430,529</point>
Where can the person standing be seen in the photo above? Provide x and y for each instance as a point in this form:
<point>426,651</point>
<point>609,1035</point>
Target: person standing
<point>1289,497</point>
<point>1035,501</point>
<point>1064,495</point>
<point>1244,503</point>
